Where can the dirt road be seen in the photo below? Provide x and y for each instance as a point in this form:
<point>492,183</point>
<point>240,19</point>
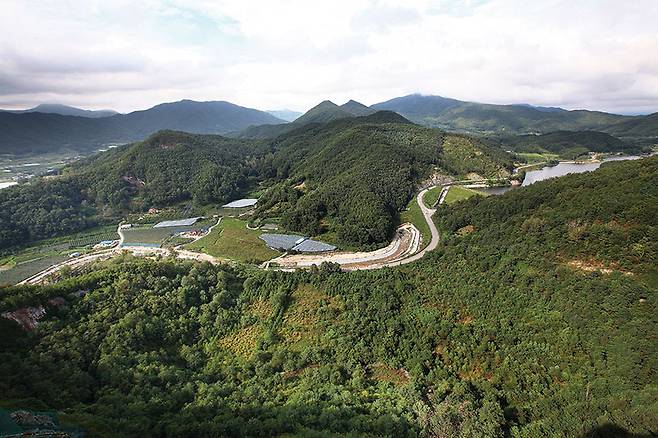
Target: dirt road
<point>403,249</point>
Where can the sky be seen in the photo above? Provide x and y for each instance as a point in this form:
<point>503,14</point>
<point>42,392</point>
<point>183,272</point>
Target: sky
<point>130,55</point>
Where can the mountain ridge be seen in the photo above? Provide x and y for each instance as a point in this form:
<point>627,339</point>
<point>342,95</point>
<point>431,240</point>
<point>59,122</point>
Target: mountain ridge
<point>42,132</point>
<point>65,110</point>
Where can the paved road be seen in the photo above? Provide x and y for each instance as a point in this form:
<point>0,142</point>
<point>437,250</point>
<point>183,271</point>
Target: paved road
<point>392,255</point>
<point>380,258</point>
<point>434,241</point>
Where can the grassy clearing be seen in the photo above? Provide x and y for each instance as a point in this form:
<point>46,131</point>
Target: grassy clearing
<point>432,196</point>
<point>414,215</point>
<point>534,158</point>
<point>458,193</point>
<point>243,342</point>
<point>231,239</point>
<point>300,323</point>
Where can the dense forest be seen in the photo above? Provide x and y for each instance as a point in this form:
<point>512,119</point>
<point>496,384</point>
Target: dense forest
<point>377,160</point>
<point>352,177</point>
<point>535,317</point>
<point>167,168</point>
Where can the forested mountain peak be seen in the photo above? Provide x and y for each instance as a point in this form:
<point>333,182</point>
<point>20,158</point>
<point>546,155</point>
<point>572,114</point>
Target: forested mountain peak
<point>357,108</point>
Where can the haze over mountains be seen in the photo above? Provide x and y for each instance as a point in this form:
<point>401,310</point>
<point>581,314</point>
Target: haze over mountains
<point>53,127</point>
<point>65,110</point>
<point>37,132</point>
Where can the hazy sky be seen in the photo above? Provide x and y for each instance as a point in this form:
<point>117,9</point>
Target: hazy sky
<point>125,55</point>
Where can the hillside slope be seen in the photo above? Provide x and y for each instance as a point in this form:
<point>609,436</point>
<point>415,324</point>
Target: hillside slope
<point>537,320</point>
<point>351,177</point>
<point>324,112</point>
<point>638,127</point>
<point>166,168</point>
<point>39,132</point>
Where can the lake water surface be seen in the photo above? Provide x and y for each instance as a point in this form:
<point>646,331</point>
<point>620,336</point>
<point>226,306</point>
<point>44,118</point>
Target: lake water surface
<point>566,168</point>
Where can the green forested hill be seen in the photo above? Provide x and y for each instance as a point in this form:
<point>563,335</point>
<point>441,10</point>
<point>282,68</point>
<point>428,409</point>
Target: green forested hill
<point>535,317</point>
<point>374,161</point>
<point>639,127</point>
<point>324,112</point>
<point>166,168</point>
<point>352,177</point>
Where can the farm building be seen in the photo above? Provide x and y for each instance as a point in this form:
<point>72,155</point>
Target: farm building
<point>241,203</point>
<point>177,223</point>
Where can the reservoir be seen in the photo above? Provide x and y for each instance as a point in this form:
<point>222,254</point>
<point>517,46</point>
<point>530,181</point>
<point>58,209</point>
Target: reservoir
<point>565,168</point>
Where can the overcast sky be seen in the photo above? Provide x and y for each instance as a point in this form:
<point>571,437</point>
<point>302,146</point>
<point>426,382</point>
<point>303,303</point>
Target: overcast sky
<point>128,55</point>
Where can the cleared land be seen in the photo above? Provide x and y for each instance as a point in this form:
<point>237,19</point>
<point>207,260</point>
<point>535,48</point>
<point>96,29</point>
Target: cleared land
<point>432,196</point>
<point>458,193</point>
<point>231,239</point>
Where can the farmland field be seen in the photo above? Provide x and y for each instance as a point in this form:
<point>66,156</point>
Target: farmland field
<point>28,261</point>
<point>231,239</point>
<point>147,235</point>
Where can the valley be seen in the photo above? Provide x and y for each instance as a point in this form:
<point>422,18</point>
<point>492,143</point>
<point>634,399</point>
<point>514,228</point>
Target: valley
<point>459,277</point>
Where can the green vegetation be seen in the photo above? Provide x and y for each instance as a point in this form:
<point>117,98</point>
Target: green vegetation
<point>432,196</point>
<point>537,158</point>
<point>352,177</point>
<point>168,168</point>
<point>465,156</point>
<point>537,321</point>
<point>19,264</point>
<point>414,215</point>
<point>459,193</point>
<point>231,239</point>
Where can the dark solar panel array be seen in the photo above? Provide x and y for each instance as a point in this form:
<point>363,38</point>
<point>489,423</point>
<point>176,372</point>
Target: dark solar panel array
<point>282,241</point>
<point>313,246</point>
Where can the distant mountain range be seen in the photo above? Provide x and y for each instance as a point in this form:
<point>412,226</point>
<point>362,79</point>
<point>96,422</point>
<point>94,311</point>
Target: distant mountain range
<point>285,114</point>
<point>471,117</point>
<point>37,132</point>
<point>47,128</point>
<point>324,112</point>
<point>65,110</point>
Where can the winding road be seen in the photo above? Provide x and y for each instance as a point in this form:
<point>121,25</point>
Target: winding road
<point>402,250</point>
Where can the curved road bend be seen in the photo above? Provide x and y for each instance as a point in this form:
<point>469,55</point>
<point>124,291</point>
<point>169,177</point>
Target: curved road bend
<point>434,241</point>
<point>374,264</point>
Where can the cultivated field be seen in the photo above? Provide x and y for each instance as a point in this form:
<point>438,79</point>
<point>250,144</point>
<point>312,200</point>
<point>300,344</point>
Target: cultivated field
<point>458,193</point>
<point>231,239</point>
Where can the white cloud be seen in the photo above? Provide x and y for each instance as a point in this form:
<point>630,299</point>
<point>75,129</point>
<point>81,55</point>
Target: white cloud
<point>597,54</point>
